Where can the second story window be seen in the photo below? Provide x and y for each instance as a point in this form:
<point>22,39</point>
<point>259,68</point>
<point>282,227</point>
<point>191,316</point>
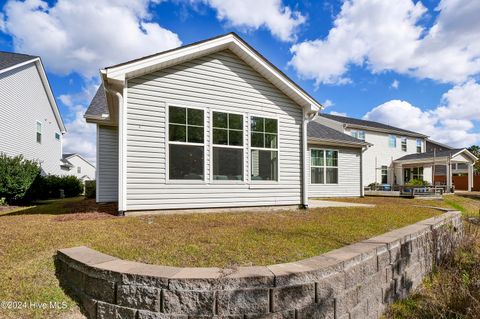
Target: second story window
<point>419,145</point>
<point>358,134</point>
<point>404,143</point>
<point>39,132</point>
<point>79,169</point>
<point>264,148</point>
<point>57,136</point>
<point>186,134</point>
<point>392,141</point>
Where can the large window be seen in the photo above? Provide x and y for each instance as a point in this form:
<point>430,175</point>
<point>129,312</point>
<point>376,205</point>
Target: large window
<point>39,132</point>
<point>419,145</point>
<point>384,174</point>
<point>227,131</point>
<point>417,173</point>
<point>358,134</point>
<point>392,141</point>
<point>404,143</point>
<point>264,148</point>
<point>186,135</point>
<point>324,166</point>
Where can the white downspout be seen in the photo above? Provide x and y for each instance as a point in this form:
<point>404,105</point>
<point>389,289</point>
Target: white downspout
<point>307,117</point>
<point>121,129</point>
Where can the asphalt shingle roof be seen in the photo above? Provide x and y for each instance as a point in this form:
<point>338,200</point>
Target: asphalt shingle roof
<point>9,59</point>
<point>98,106</point>
<point>320,131</point>
<point>426,155</point>
<point>354,121</point>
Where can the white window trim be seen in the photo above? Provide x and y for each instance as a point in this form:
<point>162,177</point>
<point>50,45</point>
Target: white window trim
<point>355,134</point>
<point>390,138</point>
<point>381,173</point>
<point>250,148</point>
<point>324,165</point>
<point>167,144</point>
<point>212,145</point>
<point>403,138</point>
<point>419,141</point>
<point>41,132</point>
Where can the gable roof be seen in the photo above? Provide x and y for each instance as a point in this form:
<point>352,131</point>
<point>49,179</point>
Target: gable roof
<point>98,105</point>
<point>432,142</point>
<point>437,154</point>
<point>67,156</point>
<point>10,59</point>
<point>376,126</point>
<point>117,74</point>
<point>322,133</point>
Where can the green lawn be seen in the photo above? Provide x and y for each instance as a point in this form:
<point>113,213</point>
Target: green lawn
<point>30,237</point>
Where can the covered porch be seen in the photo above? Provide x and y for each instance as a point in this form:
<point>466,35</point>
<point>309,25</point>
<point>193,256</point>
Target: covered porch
<point>438,168</point>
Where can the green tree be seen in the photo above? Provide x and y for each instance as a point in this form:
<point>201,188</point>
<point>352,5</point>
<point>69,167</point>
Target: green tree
<point>475,150</point>
<point>16,176</point>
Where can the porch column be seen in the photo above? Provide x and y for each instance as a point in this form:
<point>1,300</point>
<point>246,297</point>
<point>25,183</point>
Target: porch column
<point>470,177</point>
<point>448,177</point>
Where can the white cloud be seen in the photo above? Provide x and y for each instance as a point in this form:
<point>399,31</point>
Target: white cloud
<point>387,35</point>
<point>328,103</point>
<point>85,35</point>
<point>452,122</point>
<point>338,113</point>
<point>395,84</point>
<point>253,14</point>
<point>81,136</point>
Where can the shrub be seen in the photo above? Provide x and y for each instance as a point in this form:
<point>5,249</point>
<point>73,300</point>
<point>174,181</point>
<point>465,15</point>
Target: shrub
<point>417,182</point>
<point>16,176</point>
<point>90,189</point>
<point>50,186</point>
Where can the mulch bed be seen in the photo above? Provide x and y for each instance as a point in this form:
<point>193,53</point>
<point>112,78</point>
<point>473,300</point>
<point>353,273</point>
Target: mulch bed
<point>90,206</point>
<point>87,209</point>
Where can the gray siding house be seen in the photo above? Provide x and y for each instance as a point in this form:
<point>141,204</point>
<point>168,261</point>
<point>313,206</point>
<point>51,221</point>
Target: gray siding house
<point>30,123</point>
<point>212,124</point>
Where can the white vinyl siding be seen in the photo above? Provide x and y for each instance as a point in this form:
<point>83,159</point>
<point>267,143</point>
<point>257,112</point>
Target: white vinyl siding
<point>348,175</point>
<point>107,148</point>
<point>23,103</point>
<point>219,82</point>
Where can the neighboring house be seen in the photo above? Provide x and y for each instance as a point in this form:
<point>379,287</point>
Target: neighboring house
<point>30,122</point>
<point>76,165</point>
<point>396,156</point>
<point>212,124</point>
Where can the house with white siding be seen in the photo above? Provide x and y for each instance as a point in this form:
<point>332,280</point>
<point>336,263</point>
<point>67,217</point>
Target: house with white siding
<point>395,156</point>
<point>30,122</point>
<point>76,165</point>
<point>213,124</point>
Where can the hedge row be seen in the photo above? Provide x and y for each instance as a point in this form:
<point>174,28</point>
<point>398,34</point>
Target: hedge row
<point>20,180</point>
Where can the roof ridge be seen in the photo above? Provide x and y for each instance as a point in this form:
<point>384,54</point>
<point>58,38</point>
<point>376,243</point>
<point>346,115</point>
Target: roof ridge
<point>385,126</point>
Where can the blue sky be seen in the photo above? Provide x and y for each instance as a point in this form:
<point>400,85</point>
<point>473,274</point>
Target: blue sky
<point>413,64</point>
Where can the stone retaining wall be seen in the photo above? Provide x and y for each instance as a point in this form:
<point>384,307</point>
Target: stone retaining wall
<point>356,281</point>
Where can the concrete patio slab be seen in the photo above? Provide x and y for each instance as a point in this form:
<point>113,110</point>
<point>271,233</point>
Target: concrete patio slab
<point>317,203</point>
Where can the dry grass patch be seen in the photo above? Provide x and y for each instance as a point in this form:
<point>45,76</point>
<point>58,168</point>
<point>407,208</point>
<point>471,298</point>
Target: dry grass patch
<point>29,239</point>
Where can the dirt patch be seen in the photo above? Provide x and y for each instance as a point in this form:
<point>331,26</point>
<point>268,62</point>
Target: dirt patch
<point>82,216</point>
<point>8,208</point>
<point>90,206</point>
